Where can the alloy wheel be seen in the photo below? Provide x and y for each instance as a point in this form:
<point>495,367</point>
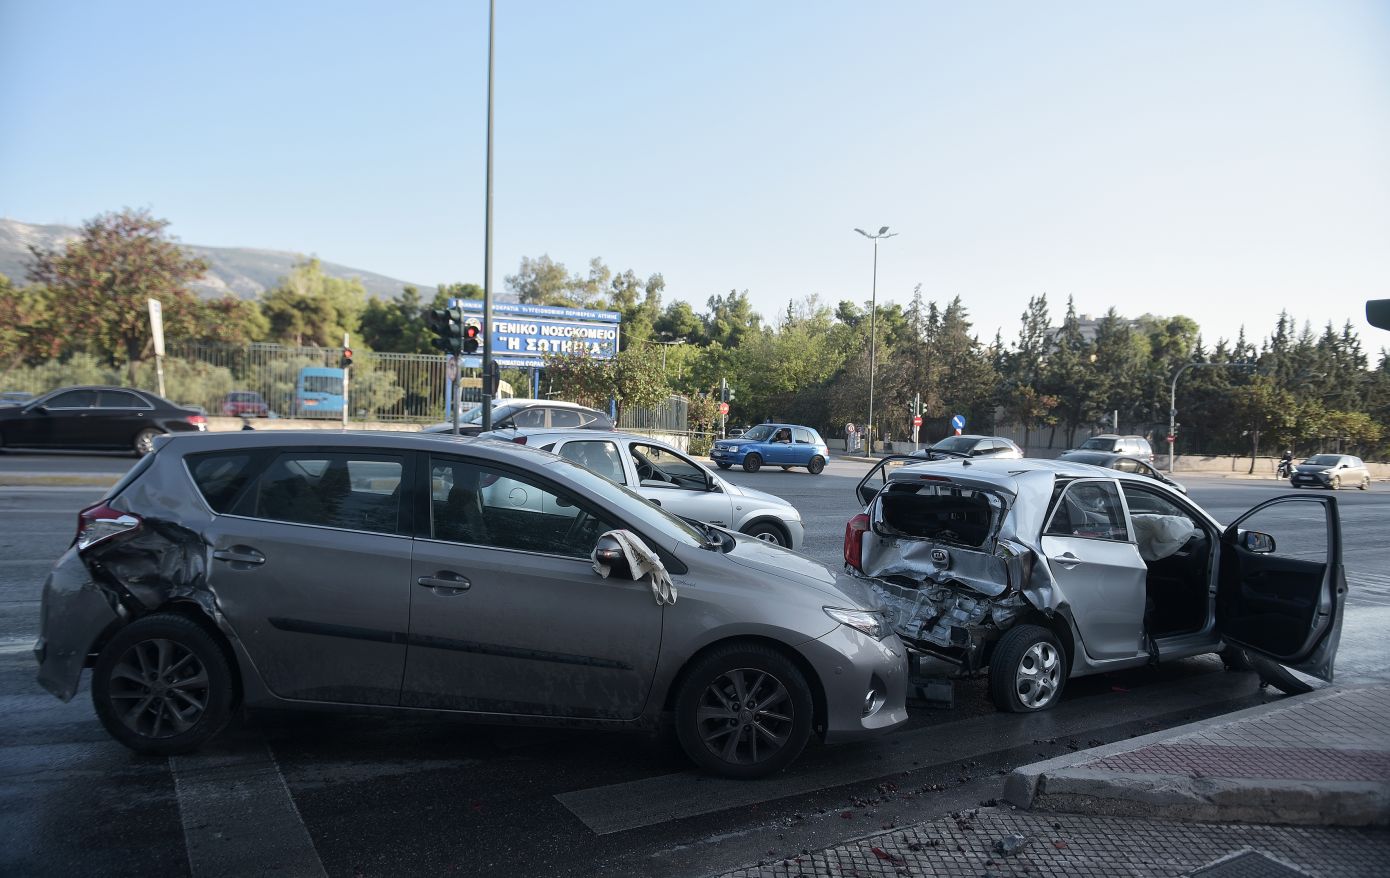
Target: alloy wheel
<point>1038,675</point>
<point>745,716</point>
<point>159,688</point>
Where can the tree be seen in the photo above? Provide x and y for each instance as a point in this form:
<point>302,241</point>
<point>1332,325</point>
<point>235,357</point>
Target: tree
<point>541,281</point>
<point>397,325</point>
<point>308,307</point>
<point>100,282</point>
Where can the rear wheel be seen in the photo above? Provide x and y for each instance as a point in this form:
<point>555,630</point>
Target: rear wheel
<point>162,685</point>
<point>817,465</point>
<point>751,463</point>
<point>1028,670</point>
<point>144,441</point>
<point>743,712</point>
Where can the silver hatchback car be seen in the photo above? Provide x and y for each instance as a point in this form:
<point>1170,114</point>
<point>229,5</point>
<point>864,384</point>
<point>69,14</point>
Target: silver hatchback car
<point>672,480</point>
<point>1045,570</point>
<point>413,572</point>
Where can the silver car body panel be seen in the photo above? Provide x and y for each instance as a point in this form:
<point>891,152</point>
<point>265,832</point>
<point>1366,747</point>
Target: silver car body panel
<point>536,639</point>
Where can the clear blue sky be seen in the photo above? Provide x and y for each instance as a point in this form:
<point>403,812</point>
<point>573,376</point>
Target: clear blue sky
<point>1222,160</point>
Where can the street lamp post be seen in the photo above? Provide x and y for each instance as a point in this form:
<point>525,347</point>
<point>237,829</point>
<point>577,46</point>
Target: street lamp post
<point>1173,401</point>
<point>873,314</point>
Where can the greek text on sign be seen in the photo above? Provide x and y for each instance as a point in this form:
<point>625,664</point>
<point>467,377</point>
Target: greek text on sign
<point>523,334</point>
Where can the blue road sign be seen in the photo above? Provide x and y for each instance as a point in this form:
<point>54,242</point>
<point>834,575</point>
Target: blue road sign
<point>958,421</point>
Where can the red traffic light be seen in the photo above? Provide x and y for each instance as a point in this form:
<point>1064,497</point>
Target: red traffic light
<point>470,331</point>
<point>346,361</point>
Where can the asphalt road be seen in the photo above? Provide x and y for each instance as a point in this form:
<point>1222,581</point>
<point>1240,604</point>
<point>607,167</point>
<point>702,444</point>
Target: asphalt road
<point>358,795</point>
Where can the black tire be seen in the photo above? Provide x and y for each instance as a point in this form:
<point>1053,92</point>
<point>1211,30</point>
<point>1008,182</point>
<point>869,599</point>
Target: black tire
<point>200,675</point>
<point>144,441</point>
<point>1364,486</point>
<point>1025,647</point>
<point>785,468</point>
<point>768,533</point>
<point>751,463</point>
<point>734,753</point>
<point>817,465</point>
<point>723,465</point>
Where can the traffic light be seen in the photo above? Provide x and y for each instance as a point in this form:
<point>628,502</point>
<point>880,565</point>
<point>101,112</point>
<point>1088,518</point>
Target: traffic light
<point>346,361</point>
<point>726,393</point>
<point>447,326</point>
<point>492,378</point>
<point>471,334</point>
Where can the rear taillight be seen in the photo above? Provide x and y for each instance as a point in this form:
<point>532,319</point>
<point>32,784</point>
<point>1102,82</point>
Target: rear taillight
<point>198,421</point>
<point>519,440</point>
<point>854,541</point>
<point>99,523</point>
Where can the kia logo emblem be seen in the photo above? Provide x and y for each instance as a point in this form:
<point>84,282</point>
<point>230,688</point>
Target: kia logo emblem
<point>941,557</point>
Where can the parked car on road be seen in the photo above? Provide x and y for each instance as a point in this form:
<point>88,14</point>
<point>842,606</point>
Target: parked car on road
<point>1045,570</point>
<point>246,404</point>
<point>784,445</point>
<point>407,572</point>
<point>1331,471</point>
<point>672,480</point>
<point>1132,446</point>
<point>522,414</point>
<point>97,419</point>
<point>1122,462</point>
<point>971,446</point>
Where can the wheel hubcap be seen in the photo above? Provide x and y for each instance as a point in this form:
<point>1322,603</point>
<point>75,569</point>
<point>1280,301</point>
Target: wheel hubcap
<point>769,538</point>
<point>745,716</point>
<point>1038,676</point>
<point>159,688</point>
<point>146,443</point>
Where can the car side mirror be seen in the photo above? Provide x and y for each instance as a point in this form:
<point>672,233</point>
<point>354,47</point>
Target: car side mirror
<point>710,483</point>
<point>1259,543</point>
<point>40,408</point>
<point>610,552</point>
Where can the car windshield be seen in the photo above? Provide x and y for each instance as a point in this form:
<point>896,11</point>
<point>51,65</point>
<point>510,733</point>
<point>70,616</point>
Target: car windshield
<point>633,506</point>
<point>475,414</point>
<point>760,432</point>
<point>1324,460</point>
<point>960,444</point>
<point>1098,444</point>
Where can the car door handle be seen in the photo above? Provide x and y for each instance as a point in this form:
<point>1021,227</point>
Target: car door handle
<point>239,555</point>
<point>445,583</point>
<point>1067,560</point>
<point>653,501</point>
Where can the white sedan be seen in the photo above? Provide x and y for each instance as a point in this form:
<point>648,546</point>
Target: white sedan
<point>670,479</point>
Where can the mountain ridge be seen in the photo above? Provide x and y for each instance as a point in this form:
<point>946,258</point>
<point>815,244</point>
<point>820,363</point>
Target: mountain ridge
<point>244,272</point>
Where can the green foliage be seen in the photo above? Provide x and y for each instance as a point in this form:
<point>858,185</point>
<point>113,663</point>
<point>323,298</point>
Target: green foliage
<point>310,308</point>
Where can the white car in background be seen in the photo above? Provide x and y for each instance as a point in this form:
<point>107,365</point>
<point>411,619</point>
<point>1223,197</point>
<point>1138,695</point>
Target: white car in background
<point>671,479</point>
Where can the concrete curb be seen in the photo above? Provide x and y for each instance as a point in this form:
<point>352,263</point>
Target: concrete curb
<point>1065,784</point>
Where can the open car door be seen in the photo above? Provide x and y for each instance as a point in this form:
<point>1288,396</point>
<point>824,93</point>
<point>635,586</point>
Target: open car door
<point>1281,588</point>
<point>877,476</point>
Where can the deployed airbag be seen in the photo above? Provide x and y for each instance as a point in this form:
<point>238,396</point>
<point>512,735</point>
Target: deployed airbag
<point>1160,536</point>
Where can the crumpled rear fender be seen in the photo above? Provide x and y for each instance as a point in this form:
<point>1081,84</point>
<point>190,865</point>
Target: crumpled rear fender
<point>74,615</point>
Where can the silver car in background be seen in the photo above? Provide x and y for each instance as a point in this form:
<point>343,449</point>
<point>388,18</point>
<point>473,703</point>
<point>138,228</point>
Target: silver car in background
<point>395,571</point>
<point>671,479</point>
<point>1331,471</point>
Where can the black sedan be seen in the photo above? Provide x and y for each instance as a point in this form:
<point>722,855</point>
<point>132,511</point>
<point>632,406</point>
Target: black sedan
<point>97,419</point>
<point>1122,462</point>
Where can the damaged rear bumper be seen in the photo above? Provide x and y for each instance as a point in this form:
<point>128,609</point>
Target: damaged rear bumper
<point>74,614</point>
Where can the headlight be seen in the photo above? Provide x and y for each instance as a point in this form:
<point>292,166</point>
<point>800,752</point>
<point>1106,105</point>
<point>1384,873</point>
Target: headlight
<point>863,621</point>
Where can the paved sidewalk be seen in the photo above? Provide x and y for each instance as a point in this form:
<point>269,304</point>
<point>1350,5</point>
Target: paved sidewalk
<point>1132,808</point>
<point>1321,758</point>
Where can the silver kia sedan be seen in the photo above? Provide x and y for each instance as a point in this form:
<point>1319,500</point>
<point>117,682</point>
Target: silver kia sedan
<point>671,479</point>
<point>481,579</point>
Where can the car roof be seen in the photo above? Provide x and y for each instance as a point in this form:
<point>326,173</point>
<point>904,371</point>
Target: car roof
<point>567,433</point>
<point>1029,477</point>
<point>557,403</point>
<point>396,440</point>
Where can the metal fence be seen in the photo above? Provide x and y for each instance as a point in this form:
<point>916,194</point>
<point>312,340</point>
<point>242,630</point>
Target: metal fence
<point>381,387</point>
<point>671,416</point>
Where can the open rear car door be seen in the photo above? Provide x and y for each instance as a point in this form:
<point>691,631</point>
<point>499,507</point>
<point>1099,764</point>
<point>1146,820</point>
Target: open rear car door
<point>1281,588</point>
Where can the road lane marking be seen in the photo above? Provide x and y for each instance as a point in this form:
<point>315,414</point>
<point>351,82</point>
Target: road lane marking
<point>238,815</point>
<point>655,800</point>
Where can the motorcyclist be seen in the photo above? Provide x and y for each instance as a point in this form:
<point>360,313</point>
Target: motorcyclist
<point>1286,464</point>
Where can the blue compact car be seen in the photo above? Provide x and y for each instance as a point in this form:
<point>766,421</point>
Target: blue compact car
<point>784,445</point>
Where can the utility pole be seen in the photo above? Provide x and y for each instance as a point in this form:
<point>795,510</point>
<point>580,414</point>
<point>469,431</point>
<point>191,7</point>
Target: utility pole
<point>488,389</point>
<point>873,335</point>
<point>346,365</point>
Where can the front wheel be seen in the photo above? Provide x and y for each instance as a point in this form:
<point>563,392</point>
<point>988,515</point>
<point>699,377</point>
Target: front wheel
<point>743,712</point>
<point>1365,484</point>
<point>768,533</point>
<point>162,685</point>
<point>144,441</point>
<point>722,465</point>
<point>817,465</point>
<point>1028,670</point>
<point>1336,483</point>
<point>751,463</point>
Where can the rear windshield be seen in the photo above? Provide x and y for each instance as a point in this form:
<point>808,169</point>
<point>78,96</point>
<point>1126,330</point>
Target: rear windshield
<point>936,512</point>
<point>131,475</point>
<point>955,443</point>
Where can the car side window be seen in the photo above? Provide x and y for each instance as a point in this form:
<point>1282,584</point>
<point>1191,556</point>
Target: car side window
<point>73,399</point>
<point>657,464</point>
<point>532,417</point>
<point>1089,509</point>
<point>331,489</point>
<point>221,477</point>
<point>1146,502</point>
<point>480,506</point>
<point>597,456</point>
<point>120,399</point>
<point>1125,465</point>
<point>800,436</point>
<point>565,418</point>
